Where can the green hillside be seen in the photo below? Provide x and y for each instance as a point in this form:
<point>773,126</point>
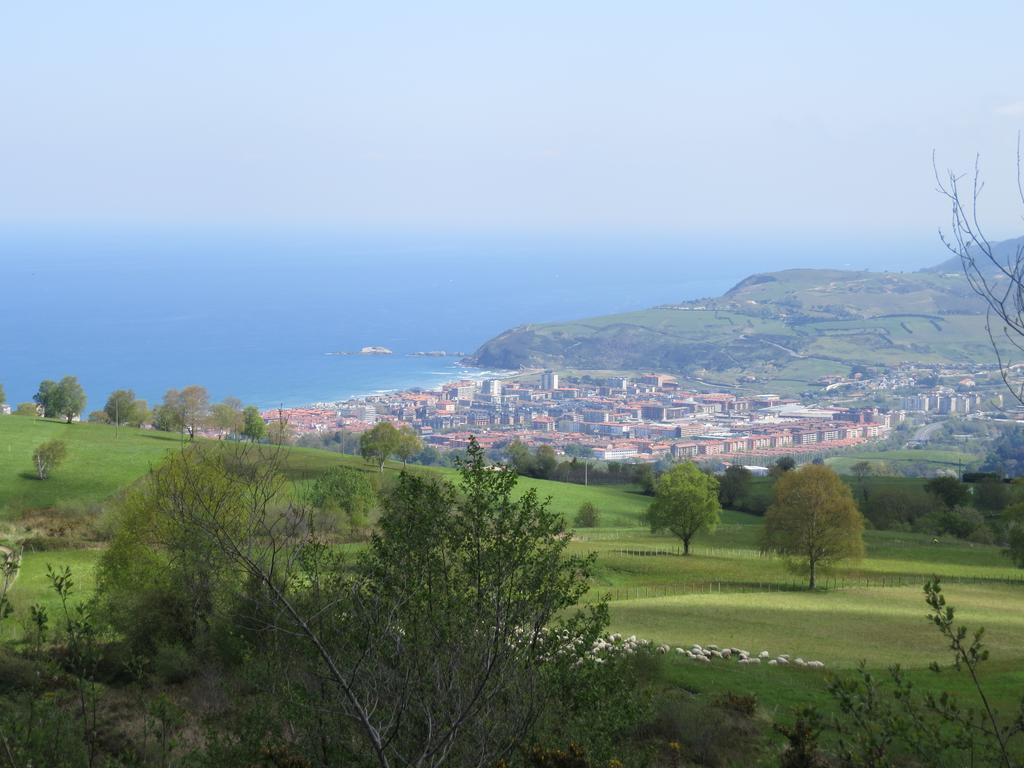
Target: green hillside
<point>793,326</point>
<point>100,463</point>
<point>727,592</point>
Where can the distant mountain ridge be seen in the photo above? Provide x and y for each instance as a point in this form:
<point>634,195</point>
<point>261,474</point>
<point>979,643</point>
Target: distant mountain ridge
<point>796,327</point>
<point>1003,251</point>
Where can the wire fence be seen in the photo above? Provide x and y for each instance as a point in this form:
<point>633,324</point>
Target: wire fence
<point>694,550</point>
<point>795,584</point>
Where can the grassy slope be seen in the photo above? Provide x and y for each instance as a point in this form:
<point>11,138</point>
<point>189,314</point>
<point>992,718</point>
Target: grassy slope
<point>97,463</point>
<point>828,320</point>
<point>881,624</point>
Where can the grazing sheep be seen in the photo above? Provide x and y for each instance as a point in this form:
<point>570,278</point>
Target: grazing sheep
<point>799,662</point>
<point>754,660</point>
<point>726,653</point>
<point>782,660</point>
<point>680,650</point>
<point>816,664</point>
<point>772,662</point>
<point>705,659</point>
<point>763,655</point>
<point>712,647</point>
<point>663,648</point>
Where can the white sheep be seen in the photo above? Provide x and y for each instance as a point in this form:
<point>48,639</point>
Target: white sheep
<point>782,660</point>
<point>663,648</point>
<point>816,664</point>
<point>763,655</point>
<point>772,662</point>
<point>726,653</point>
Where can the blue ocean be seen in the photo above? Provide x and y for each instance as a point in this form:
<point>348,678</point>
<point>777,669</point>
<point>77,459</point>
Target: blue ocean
<point>257,317</point>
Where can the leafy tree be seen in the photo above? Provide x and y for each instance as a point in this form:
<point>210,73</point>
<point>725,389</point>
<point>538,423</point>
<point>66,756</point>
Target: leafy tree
<point>122,408</point>
<point>72,398</point>
<point>254,428</point>
<point>734,485</point>
<point>643,475</point>
<point>184,410</point>
<point>961,522</point>
<point>948,490</point>
<point>408,444</point>
<point>48,397</point>
<point>520,459</point>
<point>1014,519</point>
<point>814,520</point>
<point>379,443</point>
<point>64,398</point>
<point>896,507</point>
<point>27,409</point>
<point>279,431</point>
<point>992,495</point>
<point>161,583</point>
<point>862,470</point>
<point>1006,453</point>
<point>48,456</point>
<point>227,416</point>
<point>685,503</point>
<point>99,417</point>
<point>577,451</point>
<point>433,647</point>
<point>587,515</point>
<point>545,462</point>
<point>782,465</point>
<point>346,491</point>
<point>3,395</point>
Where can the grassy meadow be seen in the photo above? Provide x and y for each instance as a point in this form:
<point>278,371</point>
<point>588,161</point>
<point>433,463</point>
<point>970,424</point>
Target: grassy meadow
<point>726,592</point>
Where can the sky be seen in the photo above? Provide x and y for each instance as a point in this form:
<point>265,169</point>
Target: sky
<point>793,121</point>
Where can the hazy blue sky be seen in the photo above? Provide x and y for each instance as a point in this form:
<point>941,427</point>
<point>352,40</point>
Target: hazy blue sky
<point>796,119</point>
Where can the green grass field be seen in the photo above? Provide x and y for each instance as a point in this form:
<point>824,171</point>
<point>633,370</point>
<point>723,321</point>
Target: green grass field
<point>98,462</point>
<point>724,593</point>
<point>938,459</point>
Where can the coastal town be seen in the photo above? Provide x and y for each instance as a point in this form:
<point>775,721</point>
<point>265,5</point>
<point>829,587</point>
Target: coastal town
<point>643,418</point>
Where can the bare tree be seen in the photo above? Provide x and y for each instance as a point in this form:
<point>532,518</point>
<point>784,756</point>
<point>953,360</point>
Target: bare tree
<point>997,277</point>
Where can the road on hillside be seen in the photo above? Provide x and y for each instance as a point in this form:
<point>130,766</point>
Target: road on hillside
<point>924,434</point>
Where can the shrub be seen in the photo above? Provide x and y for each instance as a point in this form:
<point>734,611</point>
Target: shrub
<point>737,702</point>
<point>587,516</point>
<point>48,456</point>
<point>172,663</point>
